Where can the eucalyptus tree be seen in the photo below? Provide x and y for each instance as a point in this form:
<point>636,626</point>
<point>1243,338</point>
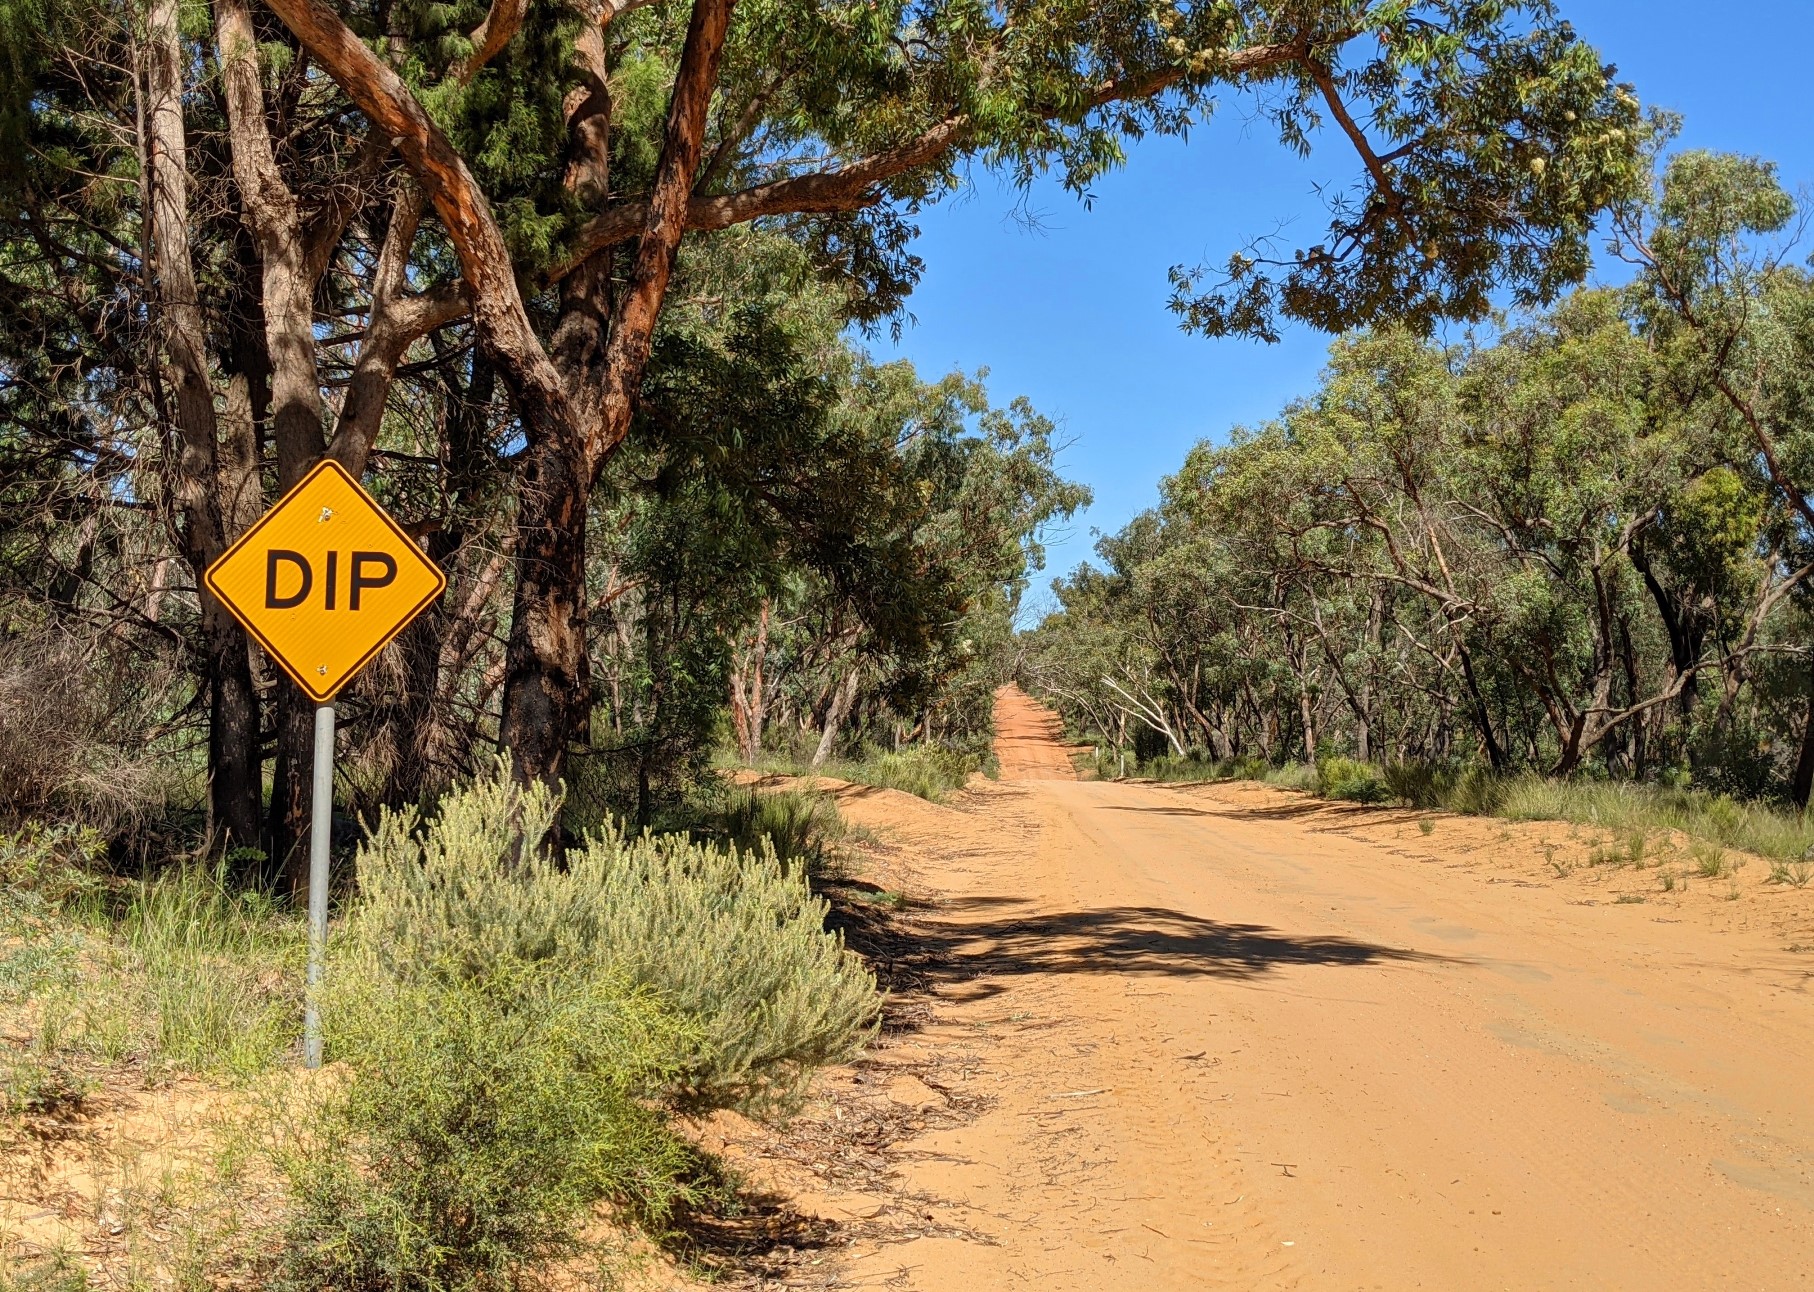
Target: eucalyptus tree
<point>437,243</point>
<point>1487,134</point>
<point>1582,540</point>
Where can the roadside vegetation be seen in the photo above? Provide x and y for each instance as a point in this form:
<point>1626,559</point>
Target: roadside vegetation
<point>1559,571</point>
<point>927,771</point>
<point>513,1037</point>
<point>1773,831</point>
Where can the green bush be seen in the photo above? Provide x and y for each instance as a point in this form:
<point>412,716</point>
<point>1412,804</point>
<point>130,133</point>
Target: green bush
<point>1245,768</point>
<point>730,940</point>
<point>929,771</point>
<point>510,1029</point>
<point>1191,767</point>
<point>1477,791</point>
<point>47,867</point>
<point>1350,780</point>
<point>1294,776</point>
<point>1419,783</point>
<point>800,825</point>
<point>473,1126</point>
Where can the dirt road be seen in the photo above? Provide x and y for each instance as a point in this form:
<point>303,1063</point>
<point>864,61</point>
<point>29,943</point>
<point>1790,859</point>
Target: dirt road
<point>1229,1037</point>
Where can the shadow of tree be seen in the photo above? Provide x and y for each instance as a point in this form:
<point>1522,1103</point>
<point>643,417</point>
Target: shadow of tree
<point>1166,809</point>
<point>1295,809</point>
<point>1146,940</point>
<point>731,1230</point>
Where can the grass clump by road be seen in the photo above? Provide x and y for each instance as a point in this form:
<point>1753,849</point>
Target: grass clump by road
<point>1623,808</point>
<point>179,973</point>
<point>1755,827</point>
<point>927,771</point>
<point>802,827</point>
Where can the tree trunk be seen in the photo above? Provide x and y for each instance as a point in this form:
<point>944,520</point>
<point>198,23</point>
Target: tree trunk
<point>269,209</point>
<point>1483,721</point>
<point>547,679</point>
<point>835,714</point>
<point>749,691</point>
<point>1804,765</point>
<point>1683,648</point>
<point>233,756</point>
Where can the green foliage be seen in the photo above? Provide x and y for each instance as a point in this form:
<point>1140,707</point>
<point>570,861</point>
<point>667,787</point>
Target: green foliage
<point>1418,782</point>
<point>179,972</point>
<point>1294,776</point>
<point>1194,766</point>
<point>512,1026</point>
<point>473,1124</point>
<point>47,867</point>
<point>1478,792</point>
<point>1709,858</point>
<point>1355,782</point>
<point>928,771</point>
<point>215,971</point>
<point>1629,809</point>
<point>33,1084</point>
<point>731,942</point>
<point>798,826</point>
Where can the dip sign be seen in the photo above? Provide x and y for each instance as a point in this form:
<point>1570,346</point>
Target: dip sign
<point>324,581</point>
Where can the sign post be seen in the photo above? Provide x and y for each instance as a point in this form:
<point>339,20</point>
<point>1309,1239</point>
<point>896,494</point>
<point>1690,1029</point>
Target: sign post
<point>324,581</point>
<point>321,829</point>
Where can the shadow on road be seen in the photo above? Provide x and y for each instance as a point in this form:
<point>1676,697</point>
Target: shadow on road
<point>1127,940</point>
<point>1290,810</point>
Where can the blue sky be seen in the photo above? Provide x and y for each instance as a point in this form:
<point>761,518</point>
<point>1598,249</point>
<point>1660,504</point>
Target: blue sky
<point>1072,314</point>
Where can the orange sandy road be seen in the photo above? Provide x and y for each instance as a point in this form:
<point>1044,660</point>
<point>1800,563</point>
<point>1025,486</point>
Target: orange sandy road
<point>1229,1046</point>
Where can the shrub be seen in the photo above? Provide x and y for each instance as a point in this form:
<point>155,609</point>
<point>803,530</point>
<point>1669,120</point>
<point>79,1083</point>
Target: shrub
<point>475,1124</point>
<point>76,724</point>
<point>1245,768</point>
<point>46,867</point>
<point>731,940</point>
<point>799,825</point>
<point>1294,776</point>
<point>1419,783</point>
<point>1350,780</point>
<point>1193,766</point>
<point>1476,792</point>
<point>508,1027</point>
<point>929,771</point>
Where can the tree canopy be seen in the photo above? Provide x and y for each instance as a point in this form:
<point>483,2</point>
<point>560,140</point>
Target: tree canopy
<point>1579,542</point>
<point>568,284</point>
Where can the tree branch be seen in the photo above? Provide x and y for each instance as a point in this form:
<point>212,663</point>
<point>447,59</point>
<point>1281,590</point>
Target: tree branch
<point>488,39</point>
<point>857,184</point>
<point>396,322</point>
<point>485,262</point>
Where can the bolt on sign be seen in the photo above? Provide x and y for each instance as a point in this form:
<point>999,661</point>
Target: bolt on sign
<point>324,580</point>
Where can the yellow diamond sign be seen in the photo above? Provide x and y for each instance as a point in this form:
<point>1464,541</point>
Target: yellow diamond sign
<point>324,580</point>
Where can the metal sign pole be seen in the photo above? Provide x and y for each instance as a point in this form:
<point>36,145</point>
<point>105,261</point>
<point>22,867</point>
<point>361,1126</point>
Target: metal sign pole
<point>321,824</point>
